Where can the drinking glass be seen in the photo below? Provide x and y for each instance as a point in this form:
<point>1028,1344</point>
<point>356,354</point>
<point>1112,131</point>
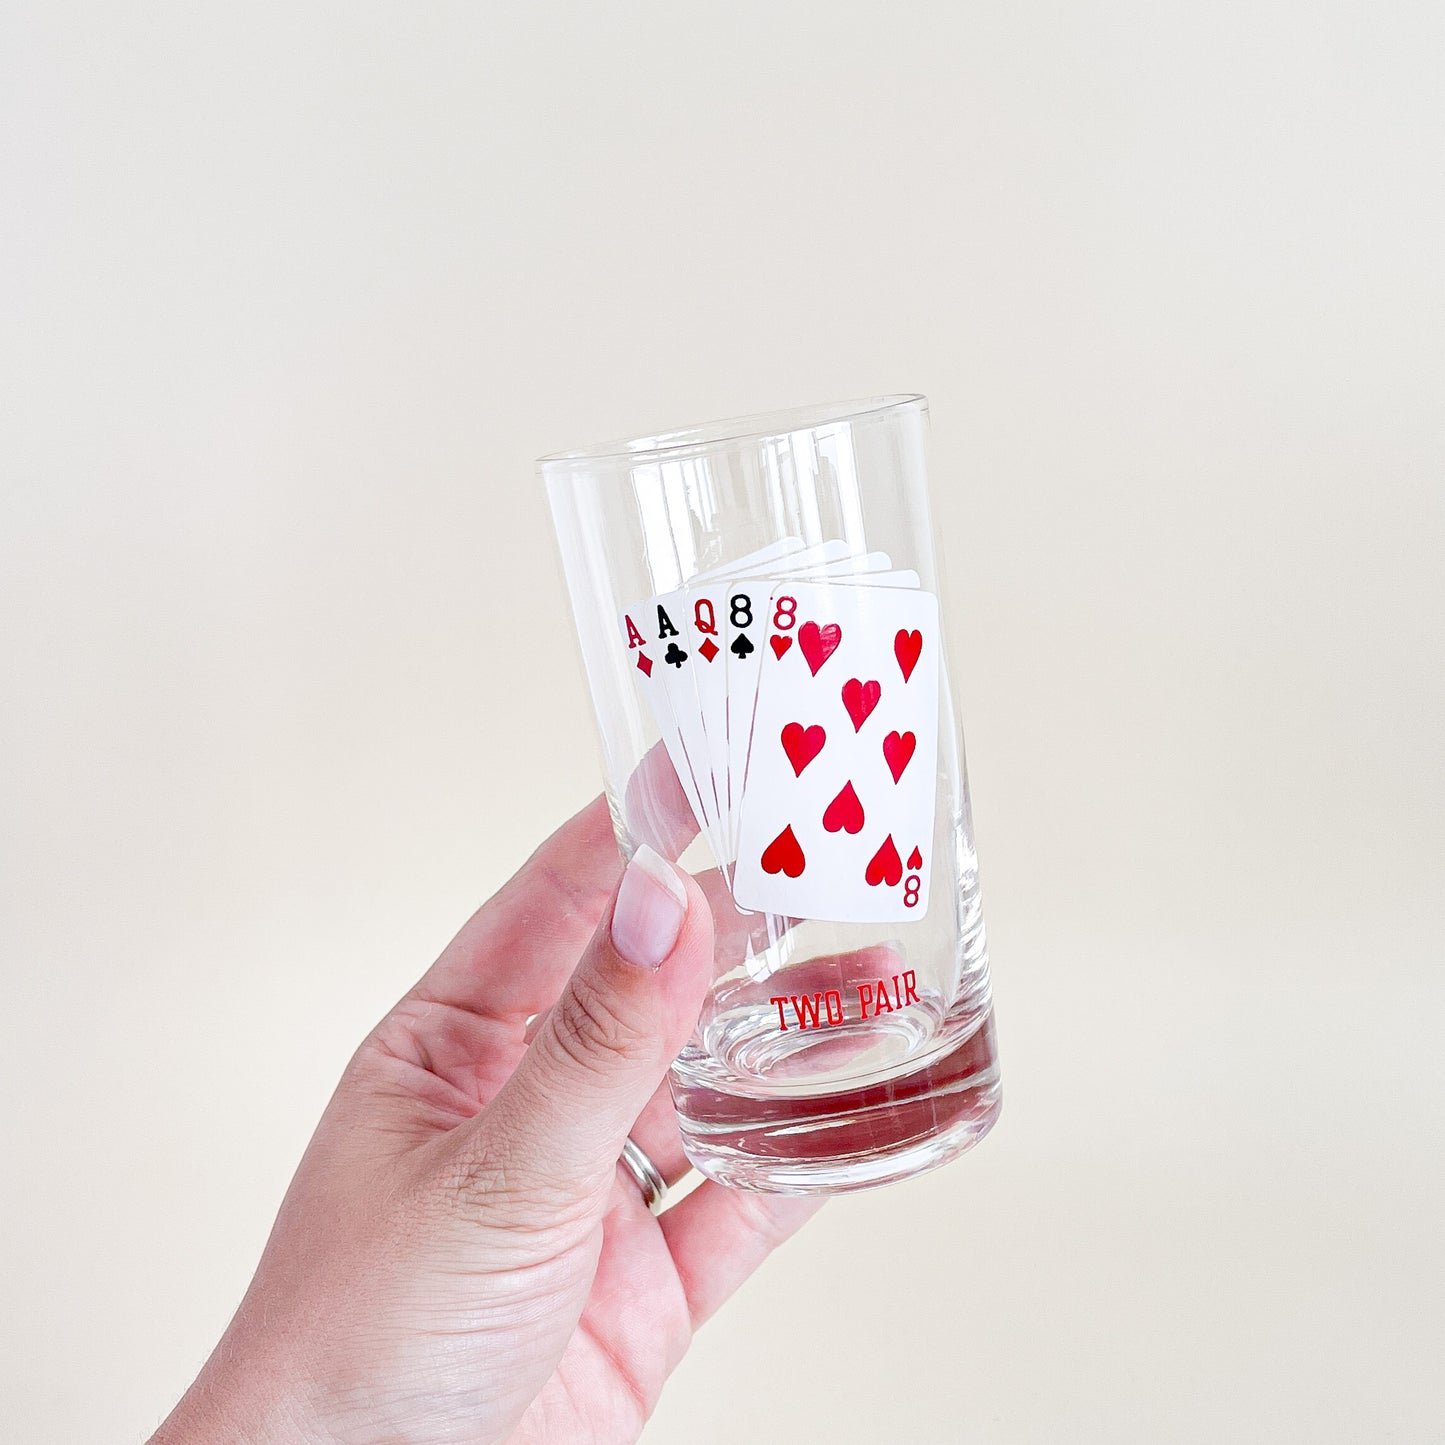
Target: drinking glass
<point>830,1053</point>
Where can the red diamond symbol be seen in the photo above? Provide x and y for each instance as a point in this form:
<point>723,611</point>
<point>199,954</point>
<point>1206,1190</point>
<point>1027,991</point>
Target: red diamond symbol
<point>644,662</point>
<point>709,649</point>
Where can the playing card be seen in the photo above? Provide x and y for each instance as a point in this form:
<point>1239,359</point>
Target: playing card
<point>663,661</point>
<point>818,554</point>
<point>774,554</point>
<point>702,713</point>
<point>706,612</point>
<point>836,820</point>
<point>676,642</point>
<point>744,626</point>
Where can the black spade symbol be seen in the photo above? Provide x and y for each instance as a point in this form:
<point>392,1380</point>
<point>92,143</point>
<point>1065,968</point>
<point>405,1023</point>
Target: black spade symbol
<point>741,646</point>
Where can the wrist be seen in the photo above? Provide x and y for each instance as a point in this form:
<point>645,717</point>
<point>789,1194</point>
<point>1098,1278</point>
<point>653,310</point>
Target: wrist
<point>233,1401</point>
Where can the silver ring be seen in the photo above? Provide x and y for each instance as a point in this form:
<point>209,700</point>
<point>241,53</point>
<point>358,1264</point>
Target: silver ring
<point>645,1174</point>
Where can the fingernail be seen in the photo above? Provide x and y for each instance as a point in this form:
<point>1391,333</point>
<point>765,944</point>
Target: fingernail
<point>651,905</point>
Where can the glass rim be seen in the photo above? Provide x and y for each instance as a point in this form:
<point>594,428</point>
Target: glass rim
<point>706,436</point>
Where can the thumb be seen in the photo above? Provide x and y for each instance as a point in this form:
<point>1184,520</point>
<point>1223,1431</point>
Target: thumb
<point>555,1130</point>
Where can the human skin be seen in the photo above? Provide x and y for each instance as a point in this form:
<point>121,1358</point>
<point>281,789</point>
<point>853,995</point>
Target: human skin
<point>460,1257</point>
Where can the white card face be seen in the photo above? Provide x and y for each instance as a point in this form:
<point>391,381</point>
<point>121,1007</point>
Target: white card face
<point>745,617</point>
<point>702,614</point>
<point>837,809</point>
<point>707,601</point>
<point>772,555</point>
<point>652,636</point>
<point>845,566</point>
<point>695,651</point>
<point>819,554</point>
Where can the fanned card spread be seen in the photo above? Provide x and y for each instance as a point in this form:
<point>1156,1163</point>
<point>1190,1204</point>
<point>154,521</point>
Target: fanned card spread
<point>796,693</point>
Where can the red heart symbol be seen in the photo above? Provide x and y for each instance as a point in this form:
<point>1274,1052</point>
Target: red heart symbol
<point>860,698</point>
<point>915,861</point>
<point>845,812</point>
<point>780,644</point>
<point>886,866</point>
<point>897,750</point>
<point>819,643</point>
<point>802,745</point>
<point>906,647</point>
<point>783,855</point>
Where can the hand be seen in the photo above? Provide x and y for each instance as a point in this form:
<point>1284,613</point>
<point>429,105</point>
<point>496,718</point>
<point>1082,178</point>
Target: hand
<point>459,1257</point>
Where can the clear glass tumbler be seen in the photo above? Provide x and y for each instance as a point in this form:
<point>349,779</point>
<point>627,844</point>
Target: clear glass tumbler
<point>725,580</point>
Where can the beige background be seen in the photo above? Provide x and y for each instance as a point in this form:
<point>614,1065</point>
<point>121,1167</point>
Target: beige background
<point>292,296</point>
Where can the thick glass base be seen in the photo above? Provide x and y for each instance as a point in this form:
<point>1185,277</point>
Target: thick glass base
<point>876,1132</point>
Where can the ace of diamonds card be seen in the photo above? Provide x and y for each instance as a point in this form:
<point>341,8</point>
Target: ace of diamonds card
<point>842,770</point>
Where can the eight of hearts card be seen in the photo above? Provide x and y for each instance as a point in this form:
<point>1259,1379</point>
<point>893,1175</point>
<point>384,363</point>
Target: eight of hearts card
<point>837,808</point>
